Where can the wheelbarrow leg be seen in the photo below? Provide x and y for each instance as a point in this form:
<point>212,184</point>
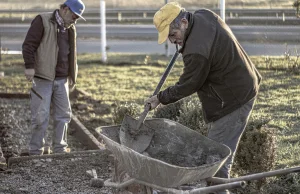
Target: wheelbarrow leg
<point>121,176</point>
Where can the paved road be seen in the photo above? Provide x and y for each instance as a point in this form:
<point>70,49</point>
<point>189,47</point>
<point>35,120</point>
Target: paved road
<point>151,47</point>
<point>148,32</point>
<point>142,38</point>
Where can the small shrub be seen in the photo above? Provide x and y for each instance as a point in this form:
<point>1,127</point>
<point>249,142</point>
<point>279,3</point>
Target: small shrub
<point>256,153</point>
<point>269,62</point>
<point>292,63</point>
<point>170,111</point>
<point>191,115</point>
<point>187,112</point>
<point>121,110</point>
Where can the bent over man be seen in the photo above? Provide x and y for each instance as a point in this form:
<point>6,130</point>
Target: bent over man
<point>216,67</point>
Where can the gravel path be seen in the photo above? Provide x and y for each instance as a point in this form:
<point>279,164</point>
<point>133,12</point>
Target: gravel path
<point>15,128</point>
<point>61,173</point>
<point>64,174</point>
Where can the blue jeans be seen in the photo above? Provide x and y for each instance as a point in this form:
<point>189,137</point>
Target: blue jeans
<point>46,94</point>
<point>228,130</point>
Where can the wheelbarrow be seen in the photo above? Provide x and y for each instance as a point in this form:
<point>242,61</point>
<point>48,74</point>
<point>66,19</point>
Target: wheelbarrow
<point>175,157</point>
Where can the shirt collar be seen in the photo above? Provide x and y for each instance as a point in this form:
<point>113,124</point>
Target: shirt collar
<point>59,20</point>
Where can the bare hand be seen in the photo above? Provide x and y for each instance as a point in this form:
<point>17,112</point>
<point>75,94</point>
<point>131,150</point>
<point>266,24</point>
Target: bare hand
<point>71,84</point>
<point>29,74</point>
<point>153,101</point>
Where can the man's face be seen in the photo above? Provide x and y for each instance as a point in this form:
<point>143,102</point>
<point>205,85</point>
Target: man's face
<point>176,35</point>
<point>69,17</point>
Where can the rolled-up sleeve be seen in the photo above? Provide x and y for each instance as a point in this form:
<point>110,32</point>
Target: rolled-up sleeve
<point>32,42</point>
<point>195,72</point>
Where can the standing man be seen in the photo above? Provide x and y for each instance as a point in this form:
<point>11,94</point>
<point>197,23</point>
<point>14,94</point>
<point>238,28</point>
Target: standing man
<point>49,53</point>
<point>216,67</point>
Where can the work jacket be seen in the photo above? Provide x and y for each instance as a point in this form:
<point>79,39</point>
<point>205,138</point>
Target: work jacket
<point>215,66</point>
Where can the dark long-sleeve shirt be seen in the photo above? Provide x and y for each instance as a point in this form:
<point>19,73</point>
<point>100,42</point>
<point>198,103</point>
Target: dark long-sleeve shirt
<point>32,41</point>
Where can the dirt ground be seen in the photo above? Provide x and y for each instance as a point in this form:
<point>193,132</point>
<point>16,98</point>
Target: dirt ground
<point>46,174</point>
<point>64,174</point>
<point>67,173</point>
<point>15,130</point>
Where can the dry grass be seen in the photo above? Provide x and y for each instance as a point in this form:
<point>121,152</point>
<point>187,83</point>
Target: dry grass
<point>52,4</point>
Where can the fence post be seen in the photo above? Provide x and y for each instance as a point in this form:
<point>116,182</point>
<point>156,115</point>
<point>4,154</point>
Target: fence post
<point>103,31</point>
<point>119,16</point>
<point>145,15</point>
<point>222,9</point>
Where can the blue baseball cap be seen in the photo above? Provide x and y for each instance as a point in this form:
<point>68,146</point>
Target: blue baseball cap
<point>76,6</point>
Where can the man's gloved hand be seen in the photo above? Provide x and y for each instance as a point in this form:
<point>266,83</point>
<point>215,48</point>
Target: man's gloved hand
<point>153,101</point>
<point>29,74</point>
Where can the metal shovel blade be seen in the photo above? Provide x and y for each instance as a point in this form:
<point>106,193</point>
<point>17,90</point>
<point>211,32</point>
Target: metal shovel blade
<point>136,139</point>
<point>134,133</point>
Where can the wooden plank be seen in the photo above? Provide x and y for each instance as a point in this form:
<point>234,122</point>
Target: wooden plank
<point>14,95</point>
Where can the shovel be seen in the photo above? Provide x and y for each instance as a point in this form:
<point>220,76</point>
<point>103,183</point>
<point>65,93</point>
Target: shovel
<point>134,133</point>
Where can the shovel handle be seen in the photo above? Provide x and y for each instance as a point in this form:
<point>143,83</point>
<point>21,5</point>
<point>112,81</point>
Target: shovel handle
<point>158,87</point>
<point>166,73</point>
<point>143,115</point>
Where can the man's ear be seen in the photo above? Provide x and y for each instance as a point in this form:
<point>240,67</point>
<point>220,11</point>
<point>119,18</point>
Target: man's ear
<point>185,22</point>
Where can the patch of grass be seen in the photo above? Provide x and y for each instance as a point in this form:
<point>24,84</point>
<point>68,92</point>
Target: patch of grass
<point>123,79</point>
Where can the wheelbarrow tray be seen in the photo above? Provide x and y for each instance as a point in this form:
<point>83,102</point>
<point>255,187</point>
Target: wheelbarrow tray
<point>176,155</point>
